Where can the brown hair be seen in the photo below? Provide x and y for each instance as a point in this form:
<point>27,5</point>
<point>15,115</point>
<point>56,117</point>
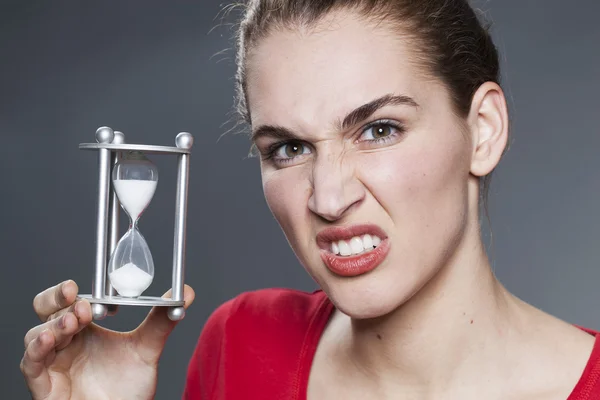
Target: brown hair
<point>447,36</point>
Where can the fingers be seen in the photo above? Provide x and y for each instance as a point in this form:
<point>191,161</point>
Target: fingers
<point>54,299</point>
<point>83,306</point>
<point>42,342</point>
<point>33,364</point>
<point>157,326</point>
<point>64,327</point>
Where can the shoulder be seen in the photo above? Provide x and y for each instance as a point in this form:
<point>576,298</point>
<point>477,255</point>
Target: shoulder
<point>266,307</point>
<point>268,325</point>
<point>275,307</point>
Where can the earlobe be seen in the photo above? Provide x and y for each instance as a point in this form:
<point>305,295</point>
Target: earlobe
<point>489,125</point>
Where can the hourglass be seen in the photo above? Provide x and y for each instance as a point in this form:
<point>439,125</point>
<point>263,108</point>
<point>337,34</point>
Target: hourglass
<point>131,185</point>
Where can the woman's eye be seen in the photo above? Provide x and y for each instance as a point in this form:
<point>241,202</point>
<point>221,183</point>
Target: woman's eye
<point>378,131</point>
<point>291,150</point>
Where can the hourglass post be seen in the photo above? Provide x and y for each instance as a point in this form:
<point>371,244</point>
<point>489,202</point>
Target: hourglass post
<point>184,140</point>
<point>104,135</point>
<point>113,225</point>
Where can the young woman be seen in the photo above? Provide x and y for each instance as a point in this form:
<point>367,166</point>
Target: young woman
<point>378,124</point>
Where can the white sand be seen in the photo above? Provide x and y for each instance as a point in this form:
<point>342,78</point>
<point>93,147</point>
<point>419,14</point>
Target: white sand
<point>129,280</point>
<point>134,195</point>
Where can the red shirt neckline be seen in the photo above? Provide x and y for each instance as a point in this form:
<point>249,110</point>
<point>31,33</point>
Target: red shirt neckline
<point>587,384</point>
<point>311,341</point>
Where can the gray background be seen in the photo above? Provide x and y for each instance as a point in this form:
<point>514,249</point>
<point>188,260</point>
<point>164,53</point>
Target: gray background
<point>147,68</point>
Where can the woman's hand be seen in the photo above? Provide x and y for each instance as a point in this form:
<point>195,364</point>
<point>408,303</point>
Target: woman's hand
<point>69,357</point>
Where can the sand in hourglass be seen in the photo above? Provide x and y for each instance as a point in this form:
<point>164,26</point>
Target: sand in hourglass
<point>129,280</point>
<point>134,196</point>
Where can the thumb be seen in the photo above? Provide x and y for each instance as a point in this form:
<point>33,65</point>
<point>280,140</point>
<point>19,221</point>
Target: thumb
<point>155,329</point>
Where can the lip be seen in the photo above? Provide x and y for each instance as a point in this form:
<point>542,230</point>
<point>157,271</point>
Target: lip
<point>349,266</point>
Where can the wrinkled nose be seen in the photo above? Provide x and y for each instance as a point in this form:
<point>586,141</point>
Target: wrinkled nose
<point>335,188</point>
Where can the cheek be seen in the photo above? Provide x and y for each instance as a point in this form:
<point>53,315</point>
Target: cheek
<point>422,187</point>
<point>286,192</point>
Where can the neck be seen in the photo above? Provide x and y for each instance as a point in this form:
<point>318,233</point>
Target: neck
<point>444,334</point>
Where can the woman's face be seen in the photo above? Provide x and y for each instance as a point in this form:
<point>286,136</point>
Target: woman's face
<point>352,134</point>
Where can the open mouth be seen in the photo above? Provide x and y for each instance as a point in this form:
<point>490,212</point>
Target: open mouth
<point>353,250</point>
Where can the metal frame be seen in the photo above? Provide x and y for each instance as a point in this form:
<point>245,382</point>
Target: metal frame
<point>145,148</point>
<point>104,298</point>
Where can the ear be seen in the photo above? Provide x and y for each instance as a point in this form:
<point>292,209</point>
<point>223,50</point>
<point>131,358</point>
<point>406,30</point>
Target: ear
<point>488,122</point>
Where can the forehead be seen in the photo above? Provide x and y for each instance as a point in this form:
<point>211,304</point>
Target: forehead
<point>304,77</point>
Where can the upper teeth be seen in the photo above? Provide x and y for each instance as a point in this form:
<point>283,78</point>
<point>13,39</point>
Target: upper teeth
<point>356,245</point>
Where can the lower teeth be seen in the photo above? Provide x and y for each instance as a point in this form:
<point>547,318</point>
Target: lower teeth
<point>357,254</point>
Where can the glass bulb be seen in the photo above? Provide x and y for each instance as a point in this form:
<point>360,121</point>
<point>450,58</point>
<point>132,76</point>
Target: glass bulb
<point>134,179</point>
<point>131,268</point>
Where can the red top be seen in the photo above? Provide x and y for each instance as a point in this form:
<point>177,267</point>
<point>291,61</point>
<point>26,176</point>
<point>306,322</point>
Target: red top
<point>260,345</point>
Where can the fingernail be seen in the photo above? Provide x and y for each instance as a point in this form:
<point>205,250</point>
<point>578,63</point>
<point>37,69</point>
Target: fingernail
<point>61,322</point>
<point>62,291</point>
<point>43,336</point>
<point>64,287</point>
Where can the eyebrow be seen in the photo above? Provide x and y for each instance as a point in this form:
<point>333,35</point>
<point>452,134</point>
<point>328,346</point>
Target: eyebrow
<point>352,118</point>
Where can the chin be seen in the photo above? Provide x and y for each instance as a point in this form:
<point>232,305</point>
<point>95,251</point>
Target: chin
<point>367,296</point>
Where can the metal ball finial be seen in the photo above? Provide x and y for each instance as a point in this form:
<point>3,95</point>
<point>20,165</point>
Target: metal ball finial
<point>99,311</point>
<point>119,138</point>
<point>104,135</point>
<point>184,140</point>
<point>176,313</point>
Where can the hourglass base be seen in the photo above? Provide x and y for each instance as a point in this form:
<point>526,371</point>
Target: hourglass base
<point>148,301</point>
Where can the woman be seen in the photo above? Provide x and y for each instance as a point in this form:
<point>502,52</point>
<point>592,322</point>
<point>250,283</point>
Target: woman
<point>378,124</point>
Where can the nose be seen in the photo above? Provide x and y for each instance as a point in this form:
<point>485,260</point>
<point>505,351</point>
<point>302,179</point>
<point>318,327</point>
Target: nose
<point>335,188</point>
